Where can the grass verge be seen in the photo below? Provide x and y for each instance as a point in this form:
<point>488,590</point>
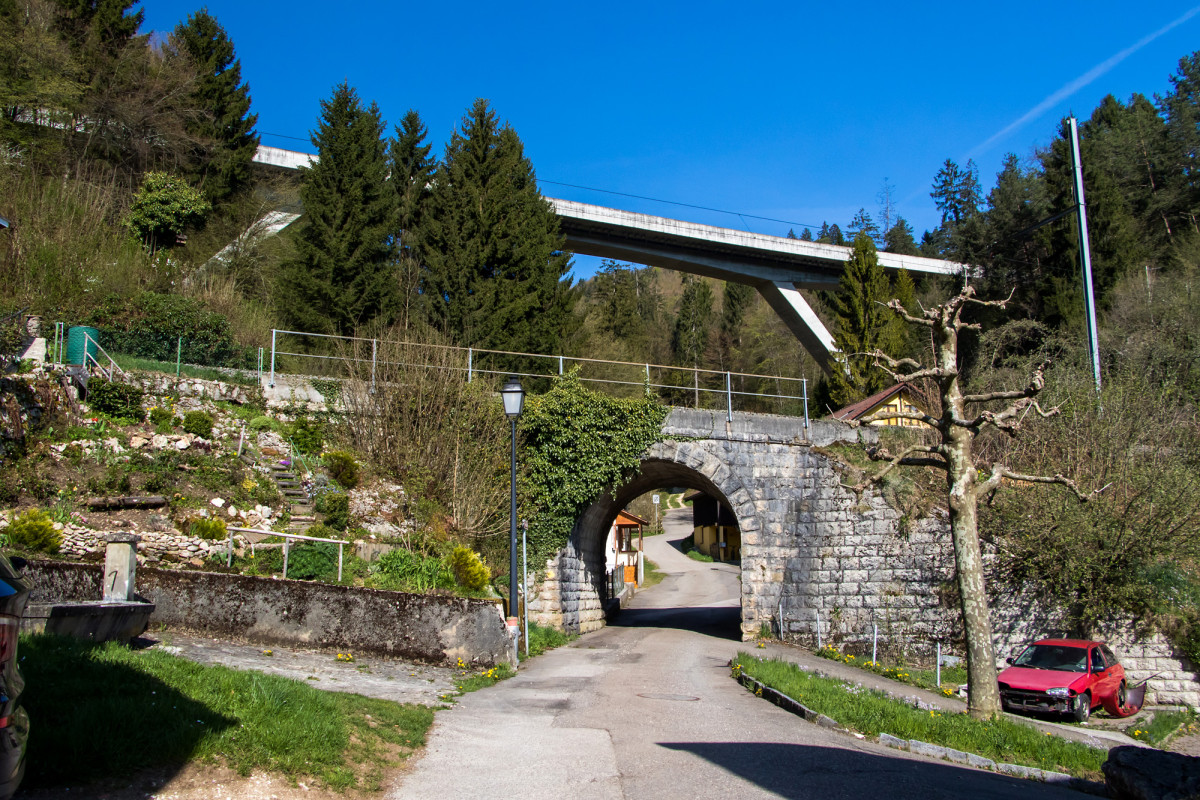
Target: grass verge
<point>1161,727</point>
<point>469,682</point>
<point>185,370</point>
<point>543,638</point>
<point>105,711</point>
<point>952,677</point>
<point>872,712</point>
<point>651,575</point>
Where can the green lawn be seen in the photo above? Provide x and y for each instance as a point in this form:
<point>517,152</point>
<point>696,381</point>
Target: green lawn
<point>245,378</point>
<point>105,711</point>
<point>872,712</point>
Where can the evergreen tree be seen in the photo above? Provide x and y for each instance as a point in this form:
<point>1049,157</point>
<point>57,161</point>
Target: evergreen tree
<point>833,235</point>
<point>862,223</point>
<point>38,72</point>
<point>791,234</point>
<point>864,324</point>
<point>1181,109</point>
<point>412,173</point>
<point>899,239</point>
<point>342,275</point>
<point>806,235</point>
<point>690,338</point>
<point>736,299</point>
<point>491,247</point>
<point>225,130</point>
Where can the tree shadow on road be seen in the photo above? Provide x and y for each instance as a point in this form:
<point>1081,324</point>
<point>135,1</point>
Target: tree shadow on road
<point>801,771</point>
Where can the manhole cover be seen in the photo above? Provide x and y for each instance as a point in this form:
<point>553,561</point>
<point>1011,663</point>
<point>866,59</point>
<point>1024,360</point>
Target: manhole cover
<point>660,696</point>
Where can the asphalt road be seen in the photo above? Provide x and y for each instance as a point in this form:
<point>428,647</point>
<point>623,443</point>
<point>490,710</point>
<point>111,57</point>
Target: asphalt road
<point>646,708</point>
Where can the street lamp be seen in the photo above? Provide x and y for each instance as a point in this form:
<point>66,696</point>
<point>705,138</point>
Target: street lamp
<point>514,398</point>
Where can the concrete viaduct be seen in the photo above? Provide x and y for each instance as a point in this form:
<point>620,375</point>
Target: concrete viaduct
<point>776,266</point>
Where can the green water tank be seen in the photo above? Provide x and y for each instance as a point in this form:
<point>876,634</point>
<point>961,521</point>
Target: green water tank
<point>77,340</point>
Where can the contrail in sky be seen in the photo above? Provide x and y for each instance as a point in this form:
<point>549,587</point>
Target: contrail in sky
<point>1080,82</point>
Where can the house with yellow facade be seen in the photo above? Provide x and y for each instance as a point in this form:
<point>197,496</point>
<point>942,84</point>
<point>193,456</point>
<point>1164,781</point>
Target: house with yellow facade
<point>895,398</point>
<point>715,529</point>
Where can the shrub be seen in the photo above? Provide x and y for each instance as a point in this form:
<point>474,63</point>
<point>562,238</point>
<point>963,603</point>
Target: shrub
<point>115,399</point>
<point>210,528</point>
<point>161,416</point>
<point>336,508</point>
<point>308,435</point>
<point>150,325</point>
<point>342,467</point>
<point>313,561</point>
<point>469,569</point>
<point>198,423</point>
<point>163,208</point>
<point>414,570</point>
<point>33,531</point>
<point>263,423</point>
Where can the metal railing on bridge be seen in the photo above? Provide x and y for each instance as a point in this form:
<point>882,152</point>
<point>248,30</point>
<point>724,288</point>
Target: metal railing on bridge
<point>335,357</point>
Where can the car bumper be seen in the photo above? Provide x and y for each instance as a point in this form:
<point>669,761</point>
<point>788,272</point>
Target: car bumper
<point>1035,702</point>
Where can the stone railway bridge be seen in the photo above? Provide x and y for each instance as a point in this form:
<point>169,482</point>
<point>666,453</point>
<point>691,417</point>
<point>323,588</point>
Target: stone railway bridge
<point>809,548</point>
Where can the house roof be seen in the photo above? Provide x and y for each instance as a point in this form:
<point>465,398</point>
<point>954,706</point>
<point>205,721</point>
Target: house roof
<point>626,518</point>
<point>863,407</point>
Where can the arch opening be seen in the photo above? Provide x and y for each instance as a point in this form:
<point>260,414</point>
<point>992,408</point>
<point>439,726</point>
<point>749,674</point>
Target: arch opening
<point>586,550</point>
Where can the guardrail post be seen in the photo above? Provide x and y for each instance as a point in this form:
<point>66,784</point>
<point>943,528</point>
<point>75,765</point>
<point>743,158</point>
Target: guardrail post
<point>470,357</point>
<point>804,384</point>
<point>272,382</point>
<point>286,542</point>
<point>560,365</point>
<point>178,355</point>
<point>374,351</point>
<point>728,398</point>
<point>341,547</point>
<point>647,373</point>
<point>696,384</point>
<point>260,357</point>
<point>229,561</point>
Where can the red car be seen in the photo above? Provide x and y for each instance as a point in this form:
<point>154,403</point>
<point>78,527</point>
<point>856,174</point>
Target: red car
<point>1064,676</point>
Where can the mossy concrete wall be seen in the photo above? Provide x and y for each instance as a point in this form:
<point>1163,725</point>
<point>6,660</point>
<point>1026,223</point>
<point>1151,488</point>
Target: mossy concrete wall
<point>426,628</point>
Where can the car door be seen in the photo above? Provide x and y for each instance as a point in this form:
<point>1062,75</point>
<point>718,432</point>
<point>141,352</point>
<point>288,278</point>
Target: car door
<point>1103,671</point>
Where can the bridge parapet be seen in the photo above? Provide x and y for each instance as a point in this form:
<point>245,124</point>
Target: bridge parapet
<point>699,423</point>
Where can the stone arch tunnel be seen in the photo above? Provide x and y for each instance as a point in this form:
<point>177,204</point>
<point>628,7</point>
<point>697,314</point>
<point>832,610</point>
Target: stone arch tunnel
<point>812,553</point>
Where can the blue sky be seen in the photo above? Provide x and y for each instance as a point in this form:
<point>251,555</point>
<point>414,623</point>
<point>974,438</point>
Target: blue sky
<point>792,111</point>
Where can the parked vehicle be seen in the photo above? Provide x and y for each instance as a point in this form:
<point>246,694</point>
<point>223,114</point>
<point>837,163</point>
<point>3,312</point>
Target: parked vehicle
<point>14,722</point>
<point>1063,676</point>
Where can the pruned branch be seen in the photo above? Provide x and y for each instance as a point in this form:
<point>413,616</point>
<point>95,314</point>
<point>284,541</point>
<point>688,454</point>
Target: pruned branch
<point>903,459</point>
<point>999,472</point>
<point>1037,382</point>
<point>885,414</point>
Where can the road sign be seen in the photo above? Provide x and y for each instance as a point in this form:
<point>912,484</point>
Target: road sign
<point>654,499</point>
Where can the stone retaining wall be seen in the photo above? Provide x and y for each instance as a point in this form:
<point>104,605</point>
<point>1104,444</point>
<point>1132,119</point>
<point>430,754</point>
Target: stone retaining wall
<point>420,627</point>
<point>159,384</point>
<point>153,545</point>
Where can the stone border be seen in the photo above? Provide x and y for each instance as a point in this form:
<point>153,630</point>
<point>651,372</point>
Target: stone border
<point>787,703</point>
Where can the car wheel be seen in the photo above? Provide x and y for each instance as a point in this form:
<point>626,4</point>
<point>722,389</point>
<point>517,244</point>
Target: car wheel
<point>1083,707</point>
<point>1121,695</point>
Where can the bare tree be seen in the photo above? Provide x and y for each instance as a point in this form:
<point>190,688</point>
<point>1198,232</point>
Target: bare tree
<point>962,418</point>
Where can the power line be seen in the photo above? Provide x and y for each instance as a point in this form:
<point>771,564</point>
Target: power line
<point>676,203</point>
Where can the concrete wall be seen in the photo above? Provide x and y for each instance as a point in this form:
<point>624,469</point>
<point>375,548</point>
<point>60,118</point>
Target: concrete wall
<point>814,554</point>
<point>420,627</point>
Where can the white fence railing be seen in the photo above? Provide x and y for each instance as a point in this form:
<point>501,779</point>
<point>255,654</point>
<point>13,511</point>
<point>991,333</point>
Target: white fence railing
<point>474,363</point>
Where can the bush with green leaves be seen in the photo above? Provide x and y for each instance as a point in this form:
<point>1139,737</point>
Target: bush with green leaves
<point>164,208</point>
<point>343,467</point>
<point>210,528</point>
<point>313,560</point>
<point>150,325</point>
<point>115,399</point>
<point>307,434</point>
<point>161,416</point>
<point>405,569</point>
<point>33,532</point>
<point>263,423</point>
<point>198,423</point>
<point>336,508</point>
<point>469,569</point>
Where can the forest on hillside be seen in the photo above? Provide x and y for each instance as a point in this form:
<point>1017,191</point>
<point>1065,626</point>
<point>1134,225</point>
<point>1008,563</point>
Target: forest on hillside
<point>126,174</point>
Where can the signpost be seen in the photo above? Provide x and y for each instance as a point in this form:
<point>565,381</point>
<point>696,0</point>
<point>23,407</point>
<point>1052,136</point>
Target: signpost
<point>654,499</point>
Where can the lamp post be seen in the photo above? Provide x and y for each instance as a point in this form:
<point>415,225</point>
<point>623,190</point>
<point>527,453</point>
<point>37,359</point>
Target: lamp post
<point>514,399</point>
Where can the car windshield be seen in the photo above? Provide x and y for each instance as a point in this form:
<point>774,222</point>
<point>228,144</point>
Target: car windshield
<point>1053,656</point>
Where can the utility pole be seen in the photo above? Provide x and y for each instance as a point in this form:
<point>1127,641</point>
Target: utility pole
<point>1085,254</point>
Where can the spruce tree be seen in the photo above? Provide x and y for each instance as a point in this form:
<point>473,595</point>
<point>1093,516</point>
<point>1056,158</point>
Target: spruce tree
<point>862,223</point>
<point>342,276</point>
<point>864,324</point>
<point>899,239</point>
<point>690,338</point>
<point>411,175</point>
<point>734,303</point>
<point>491,247</point>
<point>225,129</point>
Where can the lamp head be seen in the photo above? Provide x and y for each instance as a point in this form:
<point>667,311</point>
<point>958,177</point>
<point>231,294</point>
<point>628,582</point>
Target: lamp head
<point>513,396</point>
